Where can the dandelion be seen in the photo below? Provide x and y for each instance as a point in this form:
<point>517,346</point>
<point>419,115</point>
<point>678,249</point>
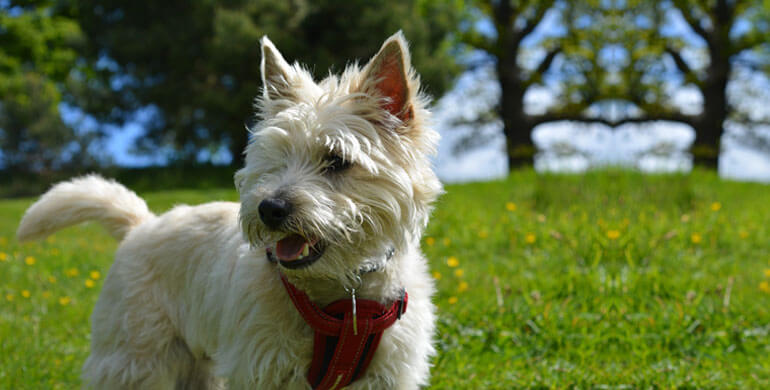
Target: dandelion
<point>3,240</point>
<point>430,241</point>
<point>3,257</point>
<point>452,261</point>
<point>510,206</point>
<point>696,238</point>
<point>72,272</point>
<point>95,275</point>
<point>613,234</point>
<point>446,241</point>
<point>29,260</point>
<point>459,273</point>
<point>530,238</point>
<point>52,279</point>
<point>9,297</point>
<point>25,293</point>
<point>716,206</point>
<point>89,283</point>
<point>50,240</point>
<point>743,234</point>
<point>452,300</point>
<point>436,275</point>
<point>483,234</point>
<point>463,286</point>
<point>767,272</point>
<point>64,301</point>
<point>764,286</point>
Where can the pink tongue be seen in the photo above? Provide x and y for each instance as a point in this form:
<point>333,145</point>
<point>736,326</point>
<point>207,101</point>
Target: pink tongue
<point>290,248</point>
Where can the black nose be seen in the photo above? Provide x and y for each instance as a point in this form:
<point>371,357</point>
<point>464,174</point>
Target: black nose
<point>274,211</point>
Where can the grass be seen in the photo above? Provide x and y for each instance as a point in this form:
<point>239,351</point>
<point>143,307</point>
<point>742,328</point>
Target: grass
<point>608,280</point>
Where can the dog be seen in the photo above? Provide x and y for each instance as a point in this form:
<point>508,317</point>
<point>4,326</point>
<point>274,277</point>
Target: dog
<point>336,190</point>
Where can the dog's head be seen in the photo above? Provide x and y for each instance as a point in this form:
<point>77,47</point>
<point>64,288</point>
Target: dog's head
<point>337,171</point>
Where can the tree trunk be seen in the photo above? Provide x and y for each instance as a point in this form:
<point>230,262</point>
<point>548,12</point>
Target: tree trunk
<point>518,132</point>
<point>710,124</point>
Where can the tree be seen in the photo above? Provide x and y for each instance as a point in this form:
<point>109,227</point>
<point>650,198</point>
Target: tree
<point>195,64</point>
<point>36,55</point>
<point>581,79</point>
<point>724,45</point>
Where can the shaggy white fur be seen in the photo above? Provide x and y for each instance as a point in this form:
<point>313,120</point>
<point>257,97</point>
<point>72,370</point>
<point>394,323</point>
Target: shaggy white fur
<point>192,300</point>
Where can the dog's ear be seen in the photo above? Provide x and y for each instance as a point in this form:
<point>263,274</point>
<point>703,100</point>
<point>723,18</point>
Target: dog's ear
<point>387,75</point>
<point>276,73</point>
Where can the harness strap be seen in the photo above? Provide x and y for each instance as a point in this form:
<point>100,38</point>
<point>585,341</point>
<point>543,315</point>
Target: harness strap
<point>341,355</point>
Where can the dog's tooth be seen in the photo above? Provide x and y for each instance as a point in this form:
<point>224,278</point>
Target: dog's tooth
<point>305,250</point>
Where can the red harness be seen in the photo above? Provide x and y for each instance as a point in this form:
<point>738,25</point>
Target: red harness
<point>343,345</point>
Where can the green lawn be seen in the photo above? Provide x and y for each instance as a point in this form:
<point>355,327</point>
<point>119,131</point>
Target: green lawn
<point>609,280</point>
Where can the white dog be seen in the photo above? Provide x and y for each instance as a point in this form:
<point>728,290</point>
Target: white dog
<point>334,196</point>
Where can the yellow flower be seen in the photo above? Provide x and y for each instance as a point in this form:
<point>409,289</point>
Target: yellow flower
<point>459,272</point>
<point>64,301</point>
<point>446,241</point>
<point>452,300</point>
<point>436,275</point>
<point>89,283</point>
<point>743,234</point>
<point>3,240</point>
<point>95,275</point>
<point>9,297</point>
<point>25,293</point>
<point>696,238</point>
<point>3,256</point>
<point>46,294</point>
<point>50,240</point>
<point>613,234</point>
<point>767,272</point>
<point>530,238</point>
<point>510,206</point>
<point>29,260</point>
<point>483,234</point>
<point>764,286</point>
<point>716,206</point>
<point>430,241</point>
<point>462,287</point>
<point>452,261</point>
<point>52,279</point>
<point>72,272</point>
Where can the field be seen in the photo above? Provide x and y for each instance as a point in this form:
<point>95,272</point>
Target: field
<point>610,280</point>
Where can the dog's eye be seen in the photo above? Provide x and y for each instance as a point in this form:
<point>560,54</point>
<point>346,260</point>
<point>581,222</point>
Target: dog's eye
<point>335,163</point>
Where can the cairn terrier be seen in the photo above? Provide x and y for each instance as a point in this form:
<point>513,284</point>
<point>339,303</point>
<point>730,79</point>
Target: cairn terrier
<point>335,193</point>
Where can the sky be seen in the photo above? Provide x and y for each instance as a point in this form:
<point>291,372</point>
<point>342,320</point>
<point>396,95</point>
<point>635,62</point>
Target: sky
<point>598,145</point>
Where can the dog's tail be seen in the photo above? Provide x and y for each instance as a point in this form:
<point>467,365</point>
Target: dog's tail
<point>82,199</point>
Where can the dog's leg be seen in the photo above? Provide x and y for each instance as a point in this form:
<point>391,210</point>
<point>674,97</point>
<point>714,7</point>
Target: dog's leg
<point>134,344</point>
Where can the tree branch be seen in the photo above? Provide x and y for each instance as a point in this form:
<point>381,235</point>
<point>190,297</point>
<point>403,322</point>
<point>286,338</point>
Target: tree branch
<point>683,67</point>
<point>577,117</point>
<point>663,116</point>
<point>544,65</point>
<point>531,23</point>
<point>684,9</point>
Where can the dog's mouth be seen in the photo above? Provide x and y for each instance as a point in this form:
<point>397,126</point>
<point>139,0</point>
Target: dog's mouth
<point>295,251</point>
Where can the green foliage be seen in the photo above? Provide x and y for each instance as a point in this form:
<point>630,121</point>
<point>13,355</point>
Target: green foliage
<point>609,280</point>
<point>36,55</point>
<point>197,62</point>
